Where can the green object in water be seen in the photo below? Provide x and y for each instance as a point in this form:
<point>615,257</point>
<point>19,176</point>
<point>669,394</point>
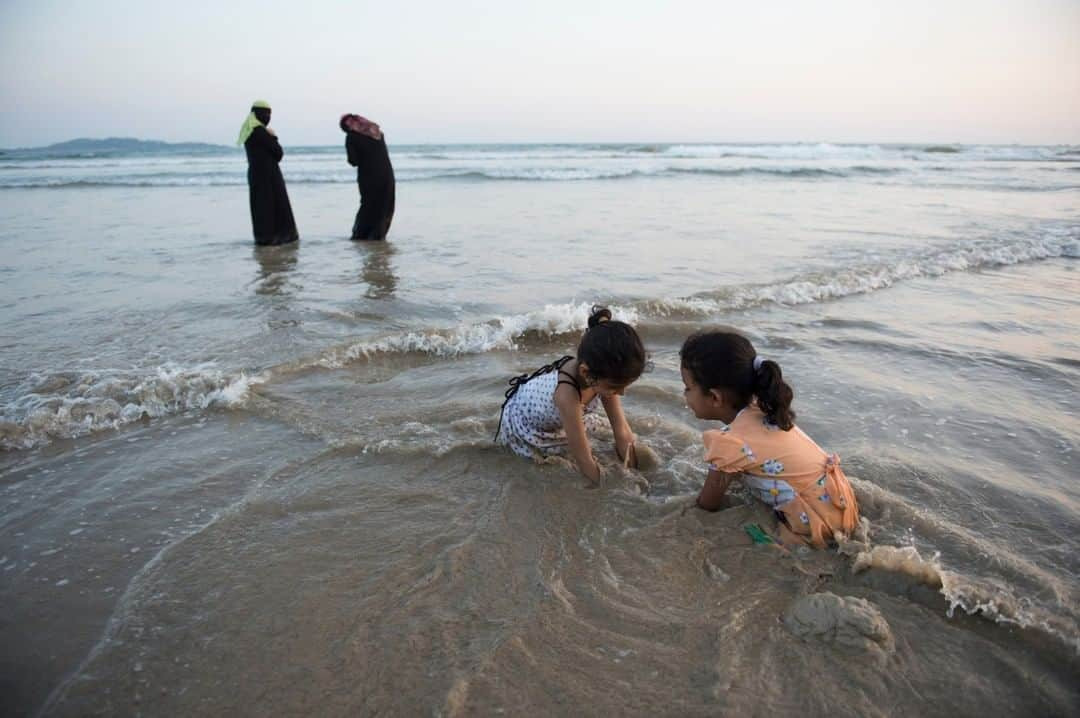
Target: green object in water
<point>758,534</point>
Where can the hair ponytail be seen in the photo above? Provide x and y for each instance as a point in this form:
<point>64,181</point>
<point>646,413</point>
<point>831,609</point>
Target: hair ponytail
<point>598,314</point>
<point>774,395</point>
<point>612,349</point>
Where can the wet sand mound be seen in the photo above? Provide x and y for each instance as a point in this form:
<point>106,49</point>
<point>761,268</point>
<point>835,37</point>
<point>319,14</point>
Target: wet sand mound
<point>849,622</point>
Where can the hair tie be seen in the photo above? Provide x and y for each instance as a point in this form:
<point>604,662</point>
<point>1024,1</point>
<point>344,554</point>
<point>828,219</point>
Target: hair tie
<point>758,361</point>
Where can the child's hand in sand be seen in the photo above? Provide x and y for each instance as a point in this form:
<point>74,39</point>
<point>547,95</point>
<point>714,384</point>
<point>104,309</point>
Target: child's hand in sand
<point>594,475</point>
<point>644,457</point>
<point>639,456</point>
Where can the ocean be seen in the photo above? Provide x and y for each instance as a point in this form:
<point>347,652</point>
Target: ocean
<point>250,481</point>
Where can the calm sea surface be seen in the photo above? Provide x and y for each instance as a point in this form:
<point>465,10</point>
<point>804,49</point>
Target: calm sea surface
<point>251,481</point>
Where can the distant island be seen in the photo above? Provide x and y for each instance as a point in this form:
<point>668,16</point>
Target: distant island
<point>88,147</point>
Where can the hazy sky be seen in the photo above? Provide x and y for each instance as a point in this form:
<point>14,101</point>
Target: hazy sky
<point>561,70</point>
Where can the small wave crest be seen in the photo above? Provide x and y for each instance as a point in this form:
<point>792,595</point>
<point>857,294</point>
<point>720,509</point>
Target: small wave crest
<point>68,405</point>
<point>555,321</point>
<point>789,172</point>
<point>975,596</point>
<point>566,173</point>
<point>147,181</point>
<point>983,597</point>
<point>865,278</point>
<point>900,559</point>
<point>970,572</point>
<point>501,333</point>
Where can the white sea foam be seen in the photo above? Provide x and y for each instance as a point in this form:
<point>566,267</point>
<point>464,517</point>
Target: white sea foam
<point>66,406</point>
<point>505,333</point>
<point>794,151</point>
<point>981,596</point>
<point>518,173</point>
<point>501,333</point>
<point>982,164</point>
<point>861,279</point>
<point>70,405</point>
<point>990,599</point>
<point>1018,591</point>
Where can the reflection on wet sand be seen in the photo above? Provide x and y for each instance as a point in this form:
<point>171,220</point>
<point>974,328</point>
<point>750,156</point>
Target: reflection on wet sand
<point>276,263</point>
<point>274,281</point>
<point>378,271</point>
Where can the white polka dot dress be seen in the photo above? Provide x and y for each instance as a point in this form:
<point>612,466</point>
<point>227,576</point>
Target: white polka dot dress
<point>531,424</point>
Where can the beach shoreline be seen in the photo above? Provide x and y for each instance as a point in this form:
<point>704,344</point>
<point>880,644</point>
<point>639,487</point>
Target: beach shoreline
<point>252,480</point>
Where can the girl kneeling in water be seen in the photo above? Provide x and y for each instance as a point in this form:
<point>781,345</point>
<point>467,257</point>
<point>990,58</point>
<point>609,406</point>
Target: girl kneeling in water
<point>551,411</point>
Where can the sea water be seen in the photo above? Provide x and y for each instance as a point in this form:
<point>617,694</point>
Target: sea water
<point>261,480</point>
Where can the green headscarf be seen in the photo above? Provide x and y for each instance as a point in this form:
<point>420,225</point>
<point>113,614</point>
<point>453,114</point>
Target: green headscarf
<point>252,121</point>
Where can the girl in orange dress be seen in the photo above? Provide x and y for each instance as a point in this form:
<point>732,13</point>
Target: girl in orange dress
<point>758,442</point>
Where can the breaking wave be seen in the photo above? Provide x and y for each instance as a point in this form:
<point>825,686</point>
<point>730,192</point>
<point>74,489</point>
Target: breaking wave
<point>549,163</point>
<point>1022,593</point>
<point>492,174</point>
<point>989,598</point>
<point>68,405</point>
<point>564,320</point>
<point>869,277</point>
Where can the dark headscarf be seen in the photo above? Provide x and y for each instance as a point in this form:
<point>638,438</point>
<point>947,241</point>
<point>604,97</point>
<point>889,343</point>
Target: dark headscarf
<point>360,125</point>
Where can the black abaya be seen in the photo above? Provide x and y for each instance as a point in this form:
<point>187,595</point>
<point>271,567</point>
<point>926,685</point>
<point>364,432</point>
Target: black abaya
<point>271,214</point>
<point>375,176</point>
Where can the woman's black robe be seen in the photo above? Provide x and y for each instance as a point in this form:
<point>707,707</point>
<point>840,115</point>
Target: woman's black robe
<point>375,176</point>
<point>271,214</point>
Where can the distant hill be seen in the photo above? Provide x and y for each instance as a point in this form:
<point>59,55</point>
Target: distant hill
<point>88,147</point>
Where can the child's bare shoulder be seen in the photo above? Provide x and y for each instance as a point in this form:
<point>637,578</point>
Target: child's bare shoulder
<point>566,396</point>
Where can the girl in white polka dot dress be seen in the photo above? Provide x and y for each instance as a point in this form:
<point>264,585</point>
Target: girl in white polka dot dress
<point>552,411</point>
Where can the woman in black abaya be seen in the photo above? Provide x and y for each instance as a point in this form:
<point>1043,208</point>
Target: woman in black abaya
<point>271,214</point>
<point>366,148</point>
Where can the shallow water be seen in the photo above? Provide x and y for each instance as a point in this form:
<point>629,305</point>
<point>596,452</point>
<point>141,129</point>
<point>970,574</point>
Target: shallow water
<point>261,480</point>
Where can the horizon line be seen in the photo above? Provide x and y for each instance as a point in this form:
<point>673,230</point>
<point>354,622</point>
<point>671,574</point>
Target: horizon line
<point>928,143</point>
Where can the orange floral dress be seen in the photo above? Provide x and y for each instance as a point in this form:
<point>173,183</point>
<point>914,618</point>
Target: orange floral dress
<point>789,472</point>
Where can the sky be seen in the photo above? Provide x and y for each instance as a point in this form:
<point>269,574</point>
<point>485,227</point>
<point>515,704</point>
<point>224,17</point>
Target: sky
<point>438,71</point>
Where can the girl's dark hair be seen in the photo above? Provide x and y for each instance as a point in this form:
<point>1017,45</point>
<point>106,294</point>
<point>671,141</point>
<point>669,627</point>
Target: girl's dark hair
<point>724,360</point>
<point>612,349</point>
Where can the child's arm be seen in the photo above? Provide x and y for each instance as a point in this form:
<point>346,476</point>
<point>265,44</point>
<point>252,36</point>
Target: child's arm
<point>716,485</point>
<point>569,406</point>
<point>624,438</point>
